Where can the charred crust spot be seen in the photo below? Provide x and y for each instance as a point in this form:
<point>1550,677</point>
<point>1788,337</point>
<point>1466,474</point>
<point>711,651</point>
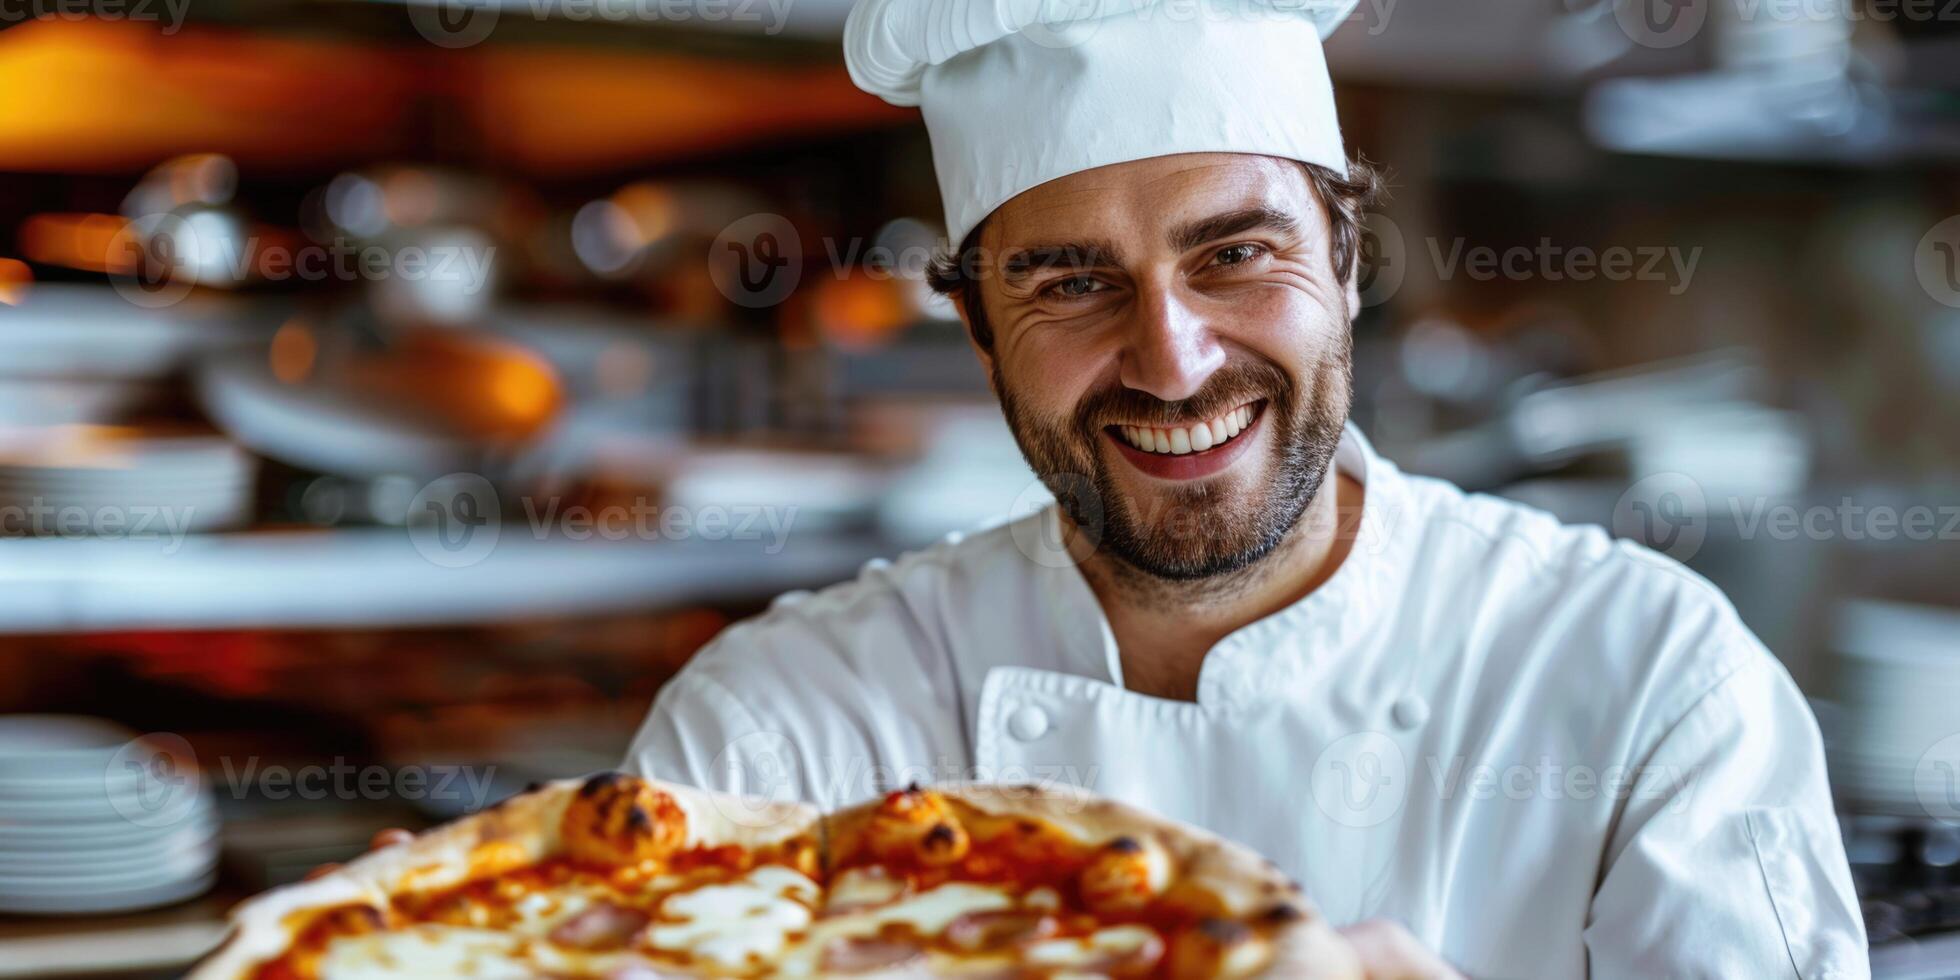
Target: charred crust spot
<point>1125,845</point>
<point>638,818</point>
<point>940,836</point>
<point>533,786</point>
<point>912,787</point>
<point>1283,913</point>
<point>1028,827</point>
<point>1224,932</point>
<point>599,781</point>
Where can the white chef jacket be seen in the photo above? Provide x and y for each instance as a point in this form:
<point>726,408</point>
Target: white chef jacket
<point>1544,751</point>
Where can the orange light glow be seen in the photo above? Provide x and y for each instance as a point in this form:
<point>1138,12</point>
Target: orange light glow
<point>858,311</point>
<point>651,209</point>
<point>15,278</point>
<point>90,242</point>
<point>294,350</point>
<point>524,389</point>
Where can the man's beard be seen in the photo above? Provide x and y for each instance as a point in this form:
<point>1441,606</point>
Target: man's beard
<point>1206,529</point>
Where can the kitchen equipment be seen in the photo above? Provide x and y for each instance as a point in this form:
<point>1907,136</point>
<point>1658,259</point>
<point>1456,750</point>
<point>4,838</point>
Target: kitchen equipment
<point>118,481</point>
<point>94,818</point>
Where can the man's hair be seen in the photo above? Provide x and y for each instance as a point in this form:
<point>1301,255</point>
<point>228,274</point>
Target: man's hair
<point>1346,198</point>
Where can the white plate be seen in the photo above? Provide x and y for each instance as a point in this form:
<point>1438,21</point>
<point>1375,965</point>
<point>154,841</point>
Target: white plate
<point>128,901</point>
<point>161,869</point>
<point>83,838</point>
<point>164,809</point>
<point>96,859</point>
<point>58,746</point>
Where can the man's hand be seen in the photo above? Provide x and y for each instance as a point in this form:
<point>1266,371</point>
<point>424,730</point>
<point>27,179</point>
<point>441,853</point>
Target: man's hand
<point>1388,952</point>
<point>385,838</point>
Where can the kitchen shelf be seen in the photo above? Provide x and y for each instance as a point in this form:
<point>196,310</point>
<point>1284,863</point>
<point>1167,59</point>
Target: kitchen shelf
<point>375,577</point>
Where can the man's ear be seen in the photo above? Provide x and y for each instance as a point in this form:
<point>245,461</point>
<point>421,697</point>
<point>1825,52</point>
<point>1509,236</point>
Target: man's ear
<point>972,340</point>
<point>1354,288</point>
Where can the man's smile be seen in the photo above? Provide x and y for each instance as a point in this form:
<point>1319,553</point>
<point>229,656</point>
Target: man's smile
<point>1192,451</point>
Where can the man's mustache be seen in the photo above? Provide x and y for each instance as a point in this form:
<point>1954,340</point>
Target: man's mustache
<point>1228,388</point>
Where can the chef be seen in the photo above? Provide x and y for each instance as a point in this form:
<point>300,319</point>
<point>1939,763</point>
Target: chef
<point>1481,740</point>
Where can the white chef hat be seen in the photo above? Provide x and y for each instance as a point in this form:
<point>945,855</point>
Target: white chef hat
<point>1016,93</point>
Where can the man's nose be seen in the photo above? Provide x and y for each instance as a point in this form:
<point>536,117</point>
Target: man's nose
<point>1170,350</point>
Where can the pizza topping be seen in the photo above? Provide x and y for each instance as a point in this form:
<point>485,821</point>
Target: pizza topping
<point>1117,951</point>
<point>1221,948</point>
<point>917,825</point>
<point>619,820</point>
<point>861,888</point>
<point>425,951</point>
<point>1125,875</point>
<point>857,954</point>
<point>602,926</point>
<point>976,931</point>
<point>735,925</point>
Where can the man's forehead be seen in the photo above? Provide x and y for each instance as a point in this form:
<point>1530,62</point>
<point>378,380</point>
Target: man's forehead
<point>1141,198</point>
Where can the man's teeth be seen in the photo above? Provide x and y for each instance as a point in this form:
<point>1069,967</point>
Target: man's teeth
<point>1193,439</point>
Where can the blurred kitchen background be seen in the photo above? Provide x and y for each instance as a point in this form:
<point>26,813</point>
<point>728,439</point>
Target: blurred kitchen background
<point>401,391</point>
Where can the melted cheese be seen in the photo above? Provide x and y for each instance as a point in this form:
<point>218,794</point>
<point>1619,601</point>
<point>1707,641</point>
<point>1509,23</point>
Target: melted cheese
<point>426,951</point>
<point>1088,951</point>
<point>744,923</point>
<point>927,913</point>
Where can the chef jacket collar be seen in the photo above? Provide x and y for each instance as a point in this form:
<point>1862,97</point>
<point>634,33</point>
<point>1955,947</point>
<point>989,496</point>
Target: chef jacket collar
<point>1256,661</point>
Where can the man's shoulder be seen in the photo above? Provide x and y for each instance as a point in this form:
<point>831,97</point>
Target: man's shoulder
<point>1611,610</point>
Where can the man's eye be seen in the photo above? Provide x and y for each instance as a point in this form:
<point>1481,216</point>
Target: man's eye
<point>1075,286</point>
<point>1237,254</point>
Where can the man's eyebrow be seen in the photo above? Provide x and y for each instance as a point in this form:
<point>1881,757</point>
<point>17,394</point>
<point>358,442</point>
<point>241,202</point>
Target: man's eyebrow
<point>1023,262</point>
<point>1230,223</point>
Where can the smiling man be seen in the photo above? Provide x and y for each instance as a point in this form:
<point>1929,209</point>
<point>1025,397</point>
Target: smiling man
<point>1474,735</point>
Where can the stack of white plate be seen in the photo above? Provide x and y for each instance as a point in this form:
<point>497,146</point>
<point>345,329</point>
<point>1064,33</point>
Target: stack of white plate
<point>122,481</point>
<point>95,819</point>
<point>1897,748</point>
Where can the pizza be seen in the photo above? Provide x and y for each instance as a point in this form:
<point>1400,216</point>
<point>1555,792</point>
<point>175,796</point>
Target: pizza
<point>625,878</point>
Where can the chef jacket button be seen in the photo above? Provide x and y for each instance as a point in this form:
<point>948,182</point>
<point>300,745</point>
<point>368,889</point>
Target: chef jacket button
<point>1027,723</point>
<point>1411,712</point>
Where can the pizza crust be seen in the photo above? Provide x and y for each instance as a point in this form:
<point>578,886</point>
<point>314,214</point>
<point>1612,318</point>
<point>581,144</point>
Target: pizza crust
<point>1246,884</point>
<point>517,832</point>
